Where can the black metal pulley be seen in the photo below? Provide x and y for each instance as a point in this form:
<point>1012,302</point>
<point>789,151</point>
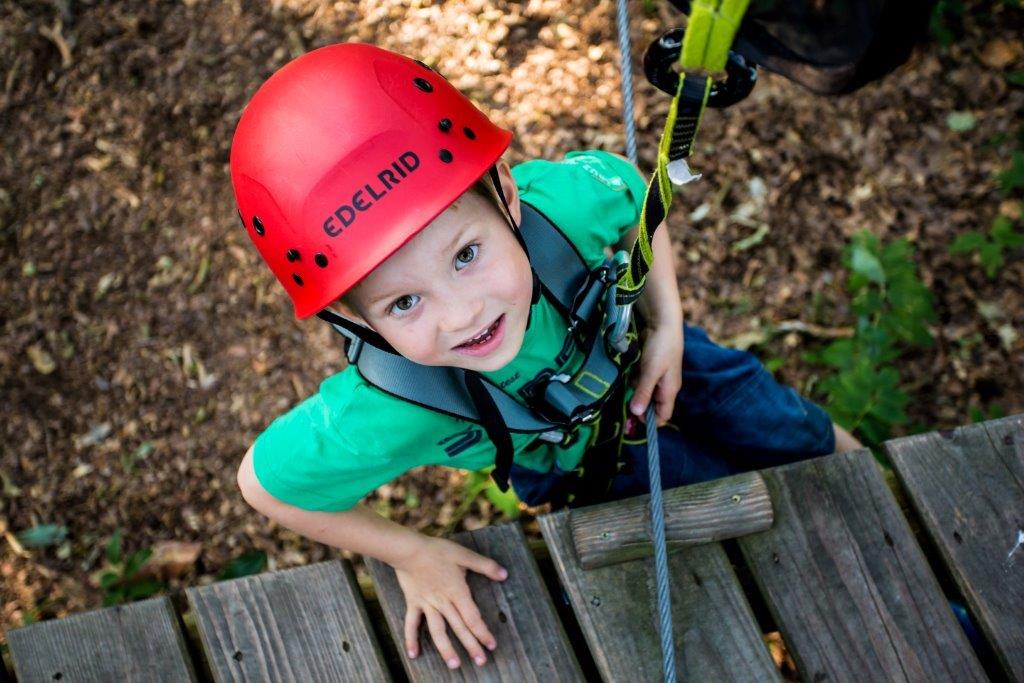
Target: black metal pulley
<point>663,54</point>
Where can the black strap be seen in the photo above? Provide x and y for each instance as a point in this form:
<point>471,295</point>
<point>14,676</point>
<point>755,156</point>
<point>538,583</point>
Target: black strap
<point>359,331</point>
<point>494,425</point>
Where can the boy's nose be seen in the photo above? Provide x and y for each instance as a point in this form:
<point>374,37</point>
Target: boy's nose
<point>463,316</point>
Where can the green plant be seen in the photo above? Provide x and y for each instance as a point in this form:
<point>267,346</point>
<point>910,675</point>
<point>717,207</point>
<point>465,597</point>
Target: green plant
<point>1001,236</point>
<point>893,308</point>
<point>995,412</point>
<point>244,565</point>
<point>946,21</point>
<point>480,483</point>
<point>120,578</point>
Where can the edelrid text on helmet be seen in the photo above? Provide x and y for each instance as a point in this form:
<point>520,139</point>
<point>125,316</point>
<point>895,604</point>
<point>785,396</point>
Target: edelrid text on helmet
<point>345,214</point>
<point>343,155</point>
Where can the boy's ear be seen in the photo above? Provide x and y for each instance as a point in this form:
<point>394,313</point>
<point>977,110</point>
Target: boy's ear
<point>508,187</point>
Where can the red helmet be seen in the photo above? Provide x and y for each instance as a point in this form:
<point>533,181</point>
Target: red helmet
<point>346,153</point>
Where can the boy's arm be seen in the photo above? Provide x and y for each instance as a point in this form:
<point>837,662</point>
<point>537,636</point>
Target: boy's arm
<point>359,529</point>
<point>431,571</point>
<point>661,359</point>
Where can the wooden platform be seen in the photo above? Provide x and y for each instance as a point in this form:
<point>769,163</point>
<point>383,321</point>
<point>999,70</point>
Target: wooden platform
<point>856,595</point>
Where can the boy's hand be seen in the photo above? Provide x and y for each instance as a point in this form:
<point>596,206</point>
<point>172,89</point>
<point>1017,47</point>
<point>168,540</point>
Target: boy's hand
<point>661,372</point>
<point>434,583</point>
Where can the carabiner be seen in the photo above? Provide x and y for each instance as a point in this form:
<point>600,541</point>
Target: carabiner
<point>619,315</point>
<point>664,52</point>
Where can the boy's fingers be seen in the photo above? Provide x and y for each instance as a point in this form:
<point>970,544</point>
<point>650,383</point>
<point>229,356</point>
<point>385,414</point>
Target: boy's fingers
<point>467,639</point>
<point>641,397</point>
<point>486,566</point>
<point>436,625</point>
<point>412,623</point>
<point>474,621</point>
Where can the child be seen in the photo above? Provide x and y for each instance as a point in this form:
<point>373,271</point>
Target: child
<point>366,181</point>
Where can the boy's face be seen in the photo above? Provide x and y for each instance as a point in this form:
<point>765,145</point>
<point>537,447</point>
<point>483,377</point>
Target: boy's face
<point>458,293</point>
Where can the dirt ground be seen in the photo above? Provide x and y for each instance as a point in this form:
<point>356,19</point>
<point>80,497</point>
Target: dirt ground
<point>144,346</point>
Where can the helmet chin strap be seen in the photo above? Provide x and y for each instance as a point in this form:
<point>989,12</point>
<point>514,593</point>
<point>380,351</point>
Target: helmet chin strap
<point>496,181</point>
<point>355,330</point>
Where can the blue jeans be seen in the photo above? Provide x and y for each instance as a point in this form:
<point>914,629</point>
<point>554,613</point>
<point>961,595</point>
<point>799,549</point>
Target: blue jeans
<point>730,416</point>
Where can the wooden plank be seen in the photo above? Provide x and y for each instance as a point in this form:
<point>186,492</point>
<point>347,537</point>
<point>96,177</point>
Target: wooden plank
<point>140,641</point>
<point>967,485</point>
<point>716,636</point>
<point>532,644</point>
<point>849,588</point>
<point>302,624</point>
<point>699,513</point>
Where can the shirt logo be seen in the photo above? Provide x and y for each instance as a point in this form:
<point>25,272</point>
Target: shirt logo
<point>386,179</point>
<point>460,441</point>
<point>593,166</point>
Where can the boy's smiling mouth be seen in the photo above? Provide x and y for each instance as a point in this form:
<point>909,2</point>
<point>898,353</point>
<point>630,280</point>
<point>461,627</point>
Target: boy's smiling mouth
<point>486,341</point>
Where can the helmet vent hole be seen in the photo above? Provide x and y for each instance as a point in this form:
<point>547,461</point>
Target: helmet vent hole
<point>320,260</point>
<point>292,255</point>
<point>257,225</point>
<point>446,156</point>
<point>298,280</point>
<point>469,133</point>
<point>423,84</point>
<point>445,125</point>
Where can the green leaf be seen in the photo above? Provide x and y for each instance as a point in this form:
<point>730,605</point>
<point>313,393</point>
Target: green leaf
<point>991,258</point>
<point>751,240</point>
<point>866,264</point>
<point>112,598</point>
<point>144,589</point>
<point>968,241</point>
<point>1003,232</point>
<point>961,121</point>
<point>114,548</point>
<point>839,354</point>
<point>109,580</point>
<point>136,560</point>
<point>1015,78</point>
<point>244,565</point>
<point>1013,178</point>
<point>43,535</point>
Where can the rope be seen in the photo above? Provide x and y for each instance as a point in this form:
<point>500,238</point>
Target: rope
<point>625,59</point>
<point>668,650</point>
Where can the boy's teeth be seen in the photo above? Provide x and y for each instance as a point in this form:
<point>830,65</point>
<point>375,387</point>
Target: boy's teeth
<point>482,338</point>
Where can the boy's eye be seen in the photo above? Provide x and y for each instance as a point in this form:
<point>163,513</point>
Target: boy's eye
<point>404,303</point>
<point>466,256</point>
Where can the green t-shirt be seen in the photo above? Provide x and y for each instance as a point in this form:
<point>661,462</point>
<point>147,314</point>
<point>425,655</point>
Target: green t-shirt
<point>343,442</point>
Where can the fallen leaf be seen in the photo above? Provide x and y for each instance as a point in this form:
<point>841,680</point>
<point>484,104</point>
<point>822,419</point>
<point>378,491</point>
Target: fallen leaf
<point>171,559</point>
<point>42,536</point>
<point>961,121</point>
<point>42,360</point>
<point>94,436</point>
<point>1000,53</point>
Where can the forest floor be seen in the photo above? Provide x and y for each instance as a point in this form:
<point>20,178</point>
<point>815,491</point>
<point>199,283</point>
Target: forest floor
<point>144,344</point>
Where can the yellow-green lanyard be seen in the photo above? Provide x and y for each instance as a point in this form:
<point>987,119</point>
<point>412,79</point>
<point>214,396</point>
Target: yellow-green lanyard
<point>709,34</point>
